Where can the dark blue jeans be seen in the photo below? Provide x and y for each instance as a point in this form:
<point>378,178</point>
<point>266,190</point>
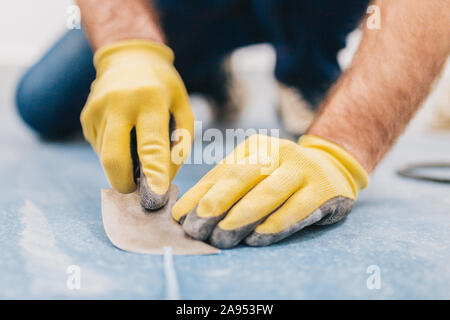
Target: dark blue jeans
<point>306,35</point>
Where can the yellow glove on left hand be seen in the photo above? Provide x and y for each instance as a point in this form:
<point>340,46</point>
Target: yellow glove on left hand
<point>314,181</point>
<point>138,87</point>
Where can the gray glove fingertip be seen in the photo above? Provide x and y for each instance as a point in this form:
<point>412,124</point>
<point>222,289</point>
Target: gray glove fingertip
<point>149,199</point>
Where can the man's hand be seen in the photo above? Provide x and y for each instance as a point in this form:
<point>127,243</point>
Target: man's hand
<point>389,78</point>
<point>137,87</point>
<point>269,188</point>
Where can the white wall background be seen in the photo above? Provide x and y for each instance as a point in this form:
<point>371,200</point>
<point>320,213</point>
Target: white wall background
<point>28,28</point>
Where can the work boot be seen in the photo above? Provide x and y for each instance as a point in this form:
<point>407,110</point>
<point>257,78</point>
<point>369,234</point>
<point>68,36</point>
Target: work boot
<point>227,100</point>
<point>295,111</point>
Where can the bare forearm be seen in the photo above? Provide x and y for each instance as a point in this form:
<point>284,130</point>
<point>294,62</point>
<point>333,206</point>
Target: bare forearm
<point>106,21</point>
<point>390,76</point>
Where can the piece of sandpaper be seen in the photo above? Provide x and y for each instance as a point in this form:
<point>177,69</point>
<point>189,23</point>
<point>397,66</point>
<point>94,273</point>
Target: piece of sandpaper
<point>132,228</point>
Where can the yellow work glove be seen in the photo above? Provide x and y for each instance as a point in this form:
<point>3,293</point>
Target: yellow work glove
<point>287,188</point>
<point>137,87</point>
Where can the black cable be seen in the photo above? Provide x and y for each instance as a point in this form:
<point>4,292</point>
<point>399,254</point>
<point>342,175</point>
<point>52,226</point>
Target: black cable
<point>408,171</point>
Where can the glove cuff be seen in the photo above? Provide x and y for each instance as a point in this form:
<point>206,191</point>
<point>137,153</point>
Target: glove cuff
<point>355,169</point>
<point>138,48</point>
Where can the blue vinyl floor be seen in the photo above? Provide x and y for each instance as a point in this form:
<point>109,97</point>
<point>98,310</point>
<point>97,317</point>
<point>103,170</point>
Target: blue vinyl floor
<point>50,219</point>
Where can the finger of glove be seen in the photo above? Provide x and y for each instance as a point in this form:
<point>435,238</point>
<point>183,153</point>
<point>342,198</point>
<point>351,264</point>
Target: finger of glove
<point>115,155</point>
<point>302,209</point>
<point>152,135</point>
<point>214,205</point>
<point>183,135</point>
<point>256,205</point>
<point>89,128</point>
<point>190,199</point>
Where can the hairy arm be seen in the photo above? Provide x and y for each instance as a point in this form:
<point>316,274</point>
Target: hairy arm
<point>390,76</point>
<point>106,21</point>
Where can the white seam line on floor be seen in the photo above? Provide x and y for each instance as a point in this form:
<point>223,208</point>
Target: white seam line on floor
<point>172,292</point>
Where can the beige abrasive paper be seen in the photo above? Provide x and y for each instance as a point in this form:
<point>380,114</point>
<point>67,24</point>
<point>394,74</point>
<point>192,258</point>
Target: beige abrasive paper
<point>132,228</point>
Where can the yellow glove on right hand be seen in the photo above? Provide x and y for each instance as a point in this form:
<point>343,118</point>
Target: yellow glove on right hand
<point>138,87</point>
<point>314,181</point>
